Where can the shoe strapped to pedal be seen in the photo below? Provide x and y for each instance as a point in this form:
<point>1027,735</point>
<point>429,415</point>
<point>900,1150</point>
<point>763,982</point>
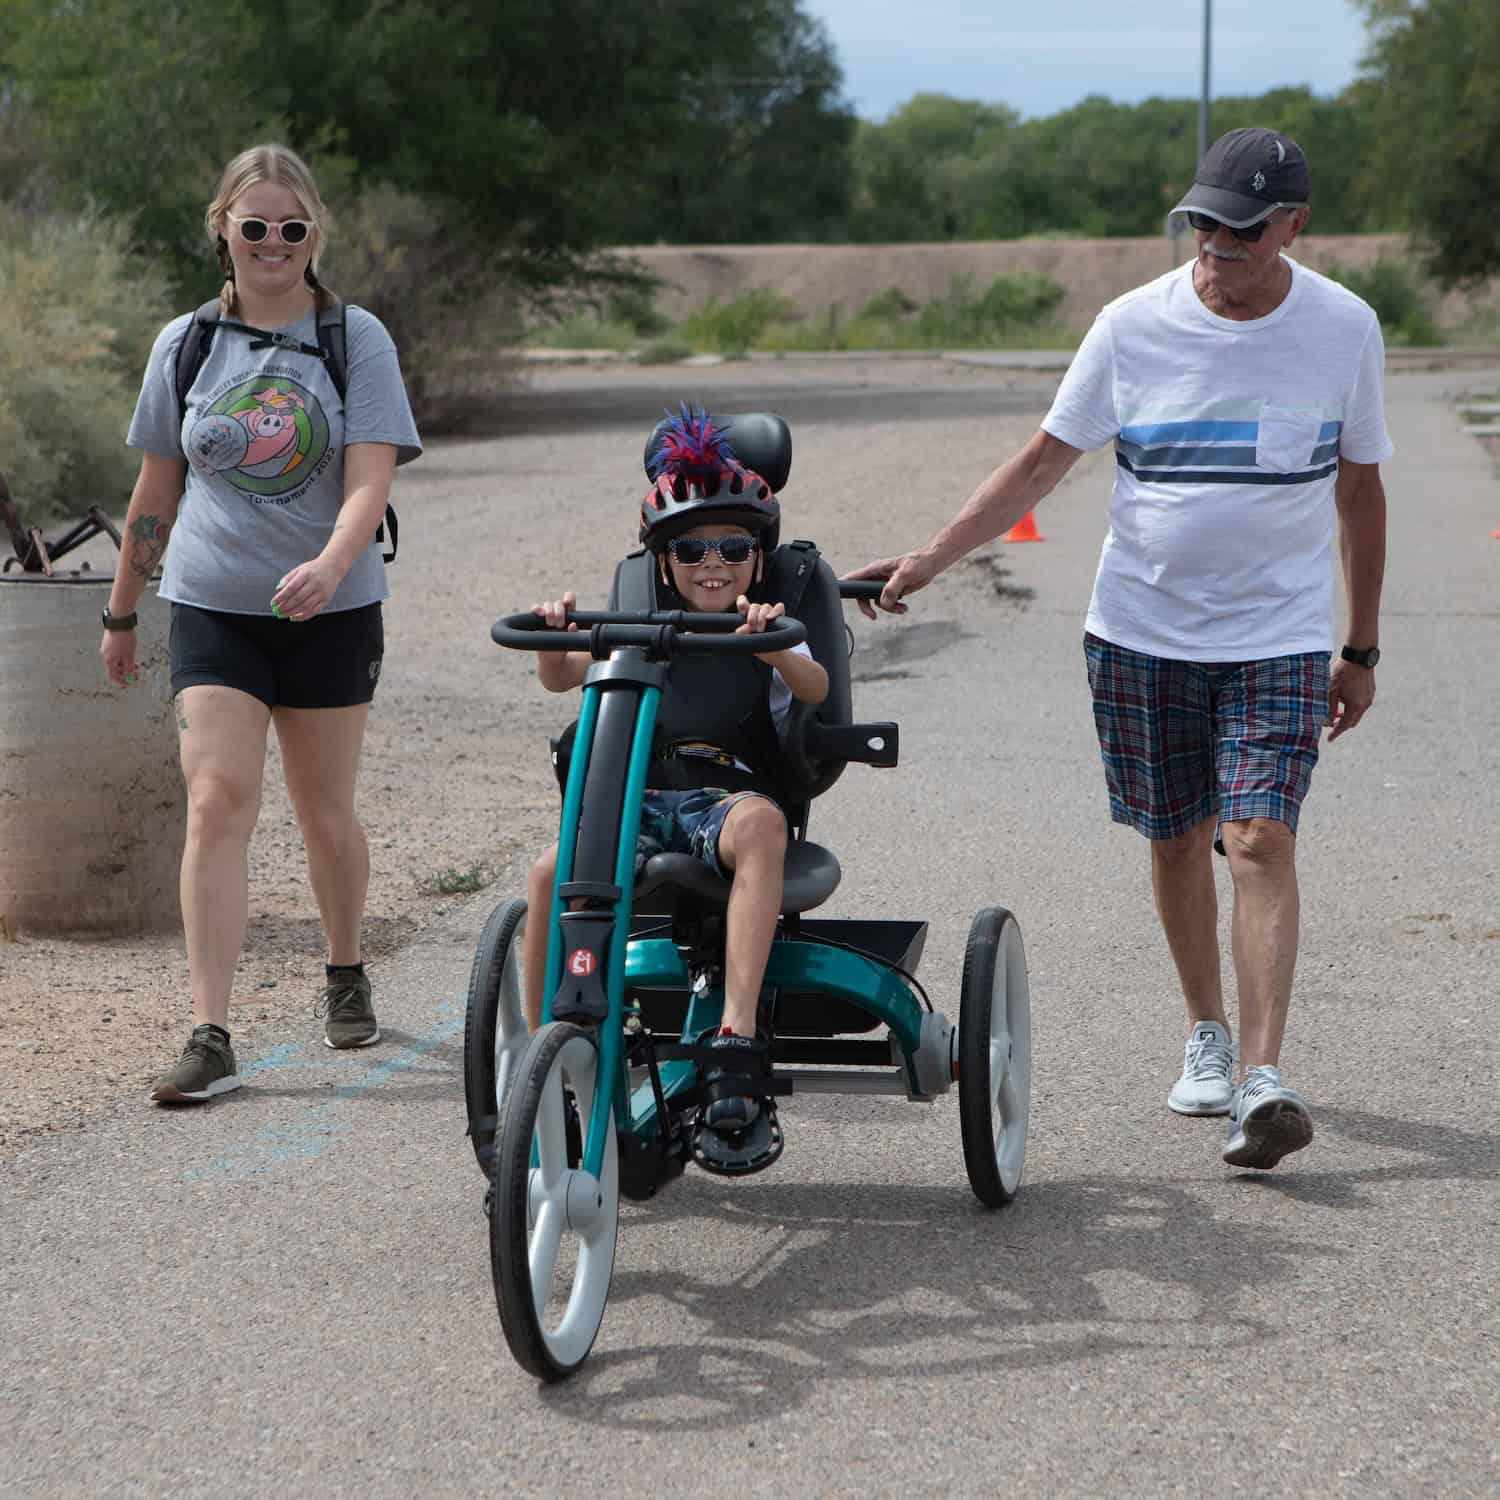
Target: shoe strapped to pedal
<point>737,1130</point>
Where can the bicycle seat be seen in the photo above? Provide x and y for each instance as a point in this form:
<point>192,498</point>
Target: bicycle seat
<point>811,877</point>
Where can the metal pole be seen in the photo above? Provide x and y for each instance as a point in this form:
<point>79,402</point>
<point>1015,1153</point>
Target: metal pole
<point>1208,21</point>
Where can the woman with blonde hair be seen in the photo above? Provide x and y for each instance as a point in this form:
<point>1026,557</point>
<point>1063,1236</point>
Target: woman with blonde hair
<point>270,486</point>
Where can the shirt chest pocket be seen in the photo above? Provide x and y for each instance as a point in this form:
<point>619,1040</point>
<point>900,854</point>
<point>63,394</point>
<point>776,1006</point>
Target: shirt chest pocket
<point>1286,438</point>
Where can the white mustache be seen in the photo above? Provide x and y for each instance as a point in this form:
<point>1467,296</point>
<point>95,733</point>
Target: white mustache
<point>1212,249</point>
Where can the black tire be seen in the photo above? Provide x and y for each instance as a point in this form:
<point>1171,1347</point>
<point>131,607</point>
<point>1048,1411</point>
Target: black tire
<point>994,1056</point>
<point>561,1057</point>
<point>491,1017</point>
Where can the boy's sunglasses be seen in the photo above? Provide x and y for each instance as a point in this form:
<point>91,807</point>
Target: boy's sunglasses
<point>690,551</point>
<point>253,230</point>
<point>1207,224</point>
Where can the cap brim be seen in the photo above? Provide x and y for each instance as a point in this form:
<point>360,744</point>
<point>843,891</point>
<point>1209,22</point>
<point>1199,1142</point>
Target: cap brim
<point>1233,209</point>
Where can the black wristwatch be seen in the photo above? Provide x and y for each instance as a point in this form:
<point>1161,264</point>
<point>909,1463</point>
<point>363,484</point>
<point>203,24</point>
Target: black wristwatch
<point>119,622</point>
<point>1361,657</point>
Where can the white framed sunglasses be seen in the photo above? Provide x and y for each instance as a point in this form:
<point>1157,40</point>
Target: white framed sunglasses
<point>254,230</point>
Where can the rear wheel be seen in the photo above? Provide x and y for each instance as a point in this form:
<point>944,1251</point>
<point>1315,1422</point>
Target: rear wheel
<point>553,1226</point>
<point>994,1056</point>
<point>495,1033</point>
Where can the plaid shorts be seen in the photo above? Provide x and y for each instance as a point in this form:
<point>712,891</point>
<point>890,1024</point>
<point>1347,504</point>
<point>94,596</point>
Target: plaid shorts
<point>685,823</point>
<point>1184,740</point>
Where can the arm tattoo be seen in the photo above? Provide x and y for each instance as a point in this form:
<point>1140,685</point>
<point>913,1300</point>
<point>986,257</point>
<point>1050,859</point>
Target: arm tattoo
<point>148,540</point>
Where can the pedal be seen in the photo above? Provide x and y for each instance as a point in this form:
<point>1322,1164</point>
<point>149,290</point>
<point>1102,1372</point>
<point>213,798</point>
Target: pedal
<point>737,1153</point>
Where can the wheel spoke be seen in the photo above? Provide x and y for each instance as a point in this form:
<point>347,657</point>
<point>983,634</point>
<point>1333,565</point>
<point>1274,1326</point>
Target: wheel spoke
<point>541,1254</point>
<point>551,1132</point>
<point>1008,1102</point>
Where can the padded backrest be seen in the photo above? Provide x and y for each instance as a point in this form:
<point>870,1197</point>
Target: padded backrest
<point>760,440</point>
<point>797,576</point>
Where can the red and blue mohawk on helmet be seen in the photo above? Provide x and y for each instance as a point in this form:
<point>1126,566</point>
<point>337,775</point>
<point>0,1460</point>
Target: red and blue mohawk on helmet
<point>697,480</point>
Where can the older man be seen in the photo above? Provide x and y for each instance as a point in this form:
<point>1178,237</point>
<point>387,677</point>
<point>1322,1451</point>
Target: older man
<point>1244,396</point>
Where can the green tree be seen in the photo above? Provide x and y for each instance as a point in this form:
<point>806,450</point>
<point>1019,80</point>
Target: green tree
<point>914,174</point>
<point>536,130</point>
<point>130,107</point>
<point>1435,148</point>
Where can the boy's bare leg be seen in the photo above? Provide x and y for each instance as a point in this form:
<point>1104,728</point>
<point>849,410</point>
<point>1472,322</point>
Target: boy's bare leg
<point>752,844</point>
<point>534,947</point>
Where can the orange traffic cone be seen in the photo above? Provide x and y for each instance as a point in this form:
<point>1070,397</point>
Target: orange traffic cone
<point>1024,531</point>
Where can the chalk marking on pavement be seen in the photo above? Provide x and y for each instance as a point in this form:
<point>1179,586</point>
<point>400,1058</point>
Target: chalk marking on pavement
<point>275,1058</point>
<point>284,1142</point>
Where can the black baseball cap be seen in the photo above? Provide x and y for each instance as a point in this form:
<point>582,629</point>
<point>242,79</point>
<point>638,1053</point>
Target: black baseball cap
<point>1245,175</point>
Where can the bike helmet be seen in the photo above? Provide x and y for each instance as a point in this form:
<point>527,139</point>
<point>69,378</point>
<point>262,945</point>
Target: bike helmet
<point>697,480</point>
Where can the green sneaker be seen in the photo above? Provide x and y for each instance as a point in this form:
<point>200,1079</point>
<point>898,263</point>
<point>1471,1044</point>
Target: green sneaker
<point>205,1068</point>
<point>349,1016</point>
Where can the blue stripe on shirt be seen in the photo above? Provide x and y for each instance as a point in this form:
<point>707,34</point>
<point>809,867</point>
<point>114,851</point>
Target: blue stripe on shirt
<point>1222,476</point>
<point>1188,456</point>
<point>1206,430</point>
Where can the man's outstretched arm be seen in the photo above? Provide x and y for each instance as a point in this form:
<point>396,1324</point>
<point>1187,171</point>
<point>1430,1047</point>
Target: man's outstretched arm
<point>1016,487</point>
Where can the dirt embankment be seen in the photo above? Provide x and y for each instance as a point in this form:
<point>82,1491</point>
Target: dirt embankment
<point>1091,272</point>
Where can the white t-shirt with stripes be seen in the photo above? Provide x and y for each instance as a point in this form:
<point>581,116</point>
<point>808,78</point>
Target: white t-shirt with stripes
<point>1227,440</point>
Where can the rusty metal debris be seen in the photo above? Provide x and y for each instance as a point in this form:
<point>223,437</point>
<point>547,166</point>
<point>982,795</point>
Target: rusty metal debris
<point>33,552</point>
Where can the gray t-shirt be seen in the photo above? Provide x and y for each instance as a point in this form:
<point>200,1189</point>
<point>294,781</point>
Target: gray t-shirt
<point>264,436</point>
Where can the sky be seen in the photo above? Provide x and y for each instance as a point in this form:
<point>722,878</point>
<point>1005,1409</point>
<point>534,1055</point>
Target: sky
<point>1041,56</point>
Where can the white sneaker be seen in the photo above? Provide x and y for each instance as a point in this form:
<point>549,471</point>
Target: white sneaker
<point>1207,1080</point>
<point>1267,1121</point>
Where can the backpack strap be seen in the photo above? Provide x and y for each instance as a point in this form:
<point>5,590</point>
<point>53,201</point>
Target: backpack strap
<point>789,570</point>
<point>335,346</point>
<point>193,350</point>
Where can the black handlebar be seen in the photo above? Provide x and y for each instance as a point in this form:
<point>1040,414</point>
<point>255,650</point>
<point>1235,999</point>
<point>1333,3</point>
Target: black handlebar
<point>660,633</point>
<point>861,588</point>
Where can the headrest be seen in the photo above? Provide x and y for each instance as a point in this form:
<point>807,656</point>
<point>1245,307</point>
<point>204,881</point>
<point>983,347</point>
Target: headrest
<point>760,440</point>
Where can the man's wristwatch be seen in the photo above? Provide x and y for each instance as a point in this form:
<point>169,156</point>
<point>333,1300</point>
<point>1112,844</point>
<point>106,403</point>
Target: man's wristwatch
<point>1361,656</point>
<point>119,622</point>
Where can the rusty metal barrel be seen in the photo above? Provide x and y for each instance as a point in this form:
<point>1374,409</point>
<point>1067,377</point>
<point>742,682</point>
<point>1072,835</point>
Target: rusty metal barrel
<point>92,805</point>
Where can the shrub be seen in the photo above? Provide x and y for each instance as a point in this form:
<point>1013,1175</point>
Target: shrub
<point>1011,309</point>
<point>453,317</point>
<point>80,316</point>
<point>586,330</point>
<point>667,350</point>
<point>889,306</point>
<point>733,327</point>
<point>1397,290</point>
<point>635,307</point>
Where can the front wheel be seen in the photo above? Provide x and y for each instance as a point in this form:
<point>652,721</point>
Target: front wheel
<point>994,1056</point>
<point>495,1031</point>
<point>553,1225</point>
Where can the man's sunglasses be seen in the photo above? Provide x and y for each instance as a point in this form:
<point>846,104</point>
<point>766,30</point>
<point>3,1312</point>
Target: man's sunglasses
<point>1207,224</point>
<point>690,551</point>
<point>253,230</point>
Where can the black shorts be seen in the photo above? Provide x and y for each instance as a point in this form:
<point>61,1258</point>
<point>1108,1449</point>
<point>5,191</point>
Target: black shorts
<point>330,661</point>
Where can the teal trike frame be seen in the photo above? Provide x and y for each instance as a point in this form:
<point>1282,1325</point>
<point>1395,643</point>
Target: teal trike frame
<point>628,997</point>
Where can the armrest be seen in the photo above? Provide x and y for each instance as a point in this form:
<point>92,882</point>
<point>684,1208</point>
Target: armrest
<point>870,744</point>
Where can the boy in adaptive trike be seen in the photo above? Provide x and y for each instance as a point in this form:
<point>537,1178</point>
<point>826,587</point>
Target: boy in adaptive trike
<point>712,785</point>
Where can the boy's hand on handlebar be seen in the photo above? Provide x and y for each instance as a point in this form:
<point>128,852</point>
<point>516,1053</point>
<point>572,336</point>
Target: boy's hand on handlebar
<point>555,611</point>
<point>757,616</point>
